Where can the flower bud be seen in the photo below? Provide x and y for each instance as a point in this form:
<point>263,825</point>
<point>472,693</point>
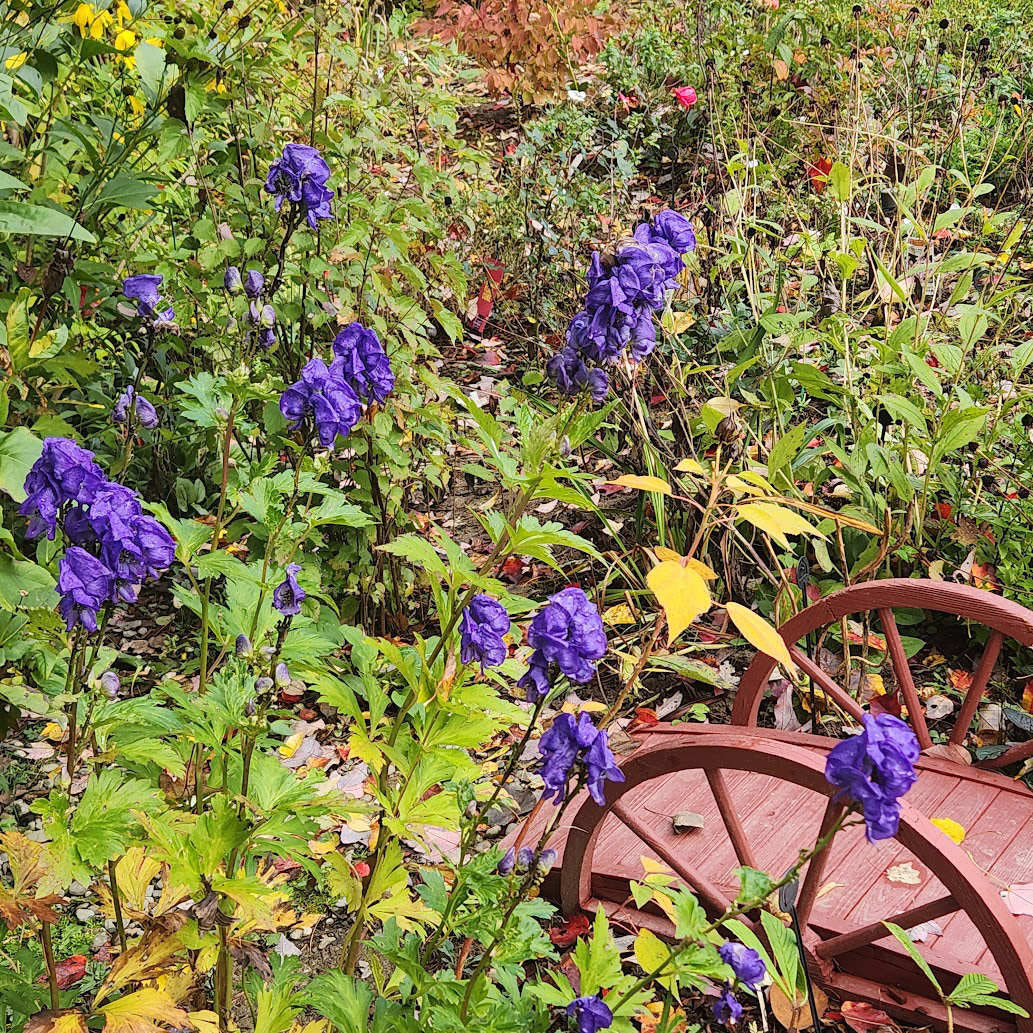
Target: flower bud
<point>243,645</point>
<point>268,316</point>
<point>254,283</point>
<point>525,855</point>
<point>110,684</point>
<point>263,684</point>
<point>507,862</point>
<point>232,281</point>
<point>546,860</point>
<point>282,675</point>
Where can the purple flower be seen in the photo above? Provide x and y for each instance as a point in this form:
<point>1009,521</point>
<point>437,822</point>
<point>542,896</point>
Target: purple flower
<point>524,859</point>
<point>874,769</point>
<point>508,862</point>
<point>110,684</point>
<point>232,281</point>
<point>567,370</point>
<point>143,289</point>
<point>85,585</point>
<point>727,1009</point>
<point>287,595</point>
<point>568,744</point>
<point>299,176</point>
<point>367,368</point>
<point>323,392</point>
<point>484,623</point>
<point>745,962</point>
<point>146,414</point>
<point>536,680</point>
<point>254,283</point>
<point>569,633</point>
<point>598,384</point>
<point>63,473</point>
<point>671,228</point>
<point>591,1013</point>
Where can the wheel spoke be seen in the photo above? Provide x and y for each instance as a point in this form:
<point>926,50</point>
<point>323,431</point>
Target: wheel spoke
<point>711,896</point>
<point>730,816</point>
<point>816,865</point>
<point>837,945</point>
<point>975,693</point>
<point>827,685</point>
<point>1021,751</point>
<point>902,673</point>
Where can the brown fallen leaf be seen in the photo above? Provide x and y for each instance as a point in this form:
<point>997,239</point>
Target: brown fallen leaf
<point>905,873</point>
<point>863,1017</point>
<point>796,1014</point>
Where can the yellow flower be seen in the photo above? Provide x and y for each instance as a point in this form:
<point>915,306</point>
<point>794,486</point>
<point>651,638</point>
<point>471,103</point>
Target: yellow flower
<point>217,86</point>
<point>83,17</point>
<point>100,22</point>
<point>123,13</point>
<point>137,105</point>
<point>125,39</point>
<point>155,42</point>
<point>17,61</point>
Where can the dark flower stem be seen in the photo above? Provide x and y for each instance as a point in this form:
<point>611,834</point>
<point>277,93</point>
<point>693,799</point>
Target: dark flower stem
<point>116,901</point>
<point>48,957</point>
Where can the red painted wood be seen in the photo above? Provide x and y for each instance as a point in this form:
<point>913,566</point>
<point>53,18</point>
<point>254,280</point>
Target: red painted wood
<point>902,673</point>
<point>975,692</point>
<point>836,945</point>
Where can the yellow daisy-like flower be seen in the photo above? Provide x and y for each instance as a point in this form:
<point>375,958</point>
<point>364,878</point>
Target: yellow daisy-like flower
<point>100,22</point>
<point>125,39</point>
<point>17,61</point>
<point>83,17</point>
<point>137,105</point>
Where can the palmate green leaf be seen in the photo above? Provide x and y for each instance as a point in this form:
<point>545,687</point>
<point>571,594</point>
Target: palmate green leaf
<point>335,509</point>
<point>342,999</point>
<point>597,957</point>
<point>24,584</point>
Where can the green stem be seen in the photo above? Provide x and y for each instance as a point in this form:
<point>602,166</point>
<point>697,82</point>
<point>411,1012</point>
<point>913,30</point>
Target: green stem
<point>48,957</point>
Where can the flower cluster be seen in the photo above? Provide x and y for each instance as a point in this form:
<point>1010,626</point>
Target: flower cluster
<point>571,744</point>
<point>299,176</point>
<point>260,318</point>
<point>623,294</point>
<point>143,289</point>
<point>114,546</point>
<point>591,1013</point>
<point>483,626</point>
<point>874,769</point>
<point>146,414</point>
<point>334,394</point>
<point>569,633</point>
<point>522,860</point>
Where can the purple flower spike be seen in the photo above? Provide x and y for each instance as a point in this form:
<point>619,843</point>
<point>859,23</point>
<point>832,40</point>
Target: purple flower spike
<point>322,392</point>
<point>85,585</point>
<point>591,1013</point>
<point>874,769</point>
<point>508,862</point>
<point>299,176</point>
<point>366,366</point>
<point>63,473</point>
<point>569,744</point>
<point>143,289</point>
<point>287,595</point>
<point>745,962</point>
<point>727,1009</point>
<point>484,624</point>
<point>146,414</point>
<point>569,633</point>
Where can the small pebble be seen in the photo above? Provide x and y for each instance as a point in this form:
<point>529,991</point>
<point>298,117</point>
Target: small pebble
<point>85,915</point>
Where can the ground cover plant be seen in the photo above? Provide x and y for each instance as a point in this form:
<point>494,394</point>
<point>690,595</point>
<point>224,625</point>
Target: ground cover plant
<point>400,407</point>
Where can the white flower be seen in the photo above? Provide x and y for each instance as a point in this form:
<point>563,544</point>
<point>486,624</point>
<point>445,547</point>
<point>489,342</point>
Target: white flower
<point>577,96</point>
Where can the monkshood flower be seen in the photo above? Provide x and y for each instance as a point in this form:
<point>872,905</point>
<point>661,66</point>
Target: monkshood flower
<point>874,769</point>
<point>232,281</point>
<point>267,326</point>
<point>569,633</point>
<point>672,228</point>
<point>366,365</point>
<point>571,744</point>
<point>536,681</point>
<point>288,595</point>
<point>508,862</point>
<point>110,684</point>
<point>299,176</point>
<point>323,392</point>
<point>745,962</point>
<point>591,1014</point>
<point>85,585</point>
<point>483,626</point>
<point>727,1009</point>
<point>146,414</point>
<point>63,473</point>
<point>143,289</point>
<point>254,284</point>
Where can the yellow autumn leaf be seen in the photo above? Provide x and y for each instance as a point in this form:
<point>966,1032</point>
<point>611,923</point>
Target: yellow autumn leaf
<point>141,1012</point>
<point>953,830</point>
<point>754,478</point>
<point>291,744</point>
<point>53,731</point>
<point>651,867</point>
<point>589,706</point>
<point>619,614</point>
<point>650,951</point>
<point>826,514</point>
<point>759,634</point>
<point>661,552</point>
<point>775,521</point>
<point>57,1022</point>
<point>633,480</point>
<point>702,569</point>
<point>205,1021</point>
<point>682,592</point>
<point>690,466</point>
<point>725,406</point>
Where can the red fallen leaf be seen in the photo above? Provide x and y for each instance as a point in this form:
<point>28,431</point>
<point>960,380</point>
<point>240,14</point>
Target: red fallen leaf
<point>307,714</point>
<point>361,869</point>
<point>863,1017</point>
<point>566,935</point>
<point>69,971</point>
<point>931,360</point>
<point>813,591</point>
<point>285,864</point>
<point>944,509</point>
<point>818,173</point>
<point>643,716</point>
<point>1012,495</point>
<point>657,397</point>
<point>884,703</point>
<point>874,641</point>
<point>513,569</point>
<point>288,695</point>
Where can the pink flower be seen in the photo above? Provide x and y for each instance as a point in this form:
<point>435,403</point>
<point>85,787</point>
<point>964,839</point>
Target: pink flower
<point>685,95</point>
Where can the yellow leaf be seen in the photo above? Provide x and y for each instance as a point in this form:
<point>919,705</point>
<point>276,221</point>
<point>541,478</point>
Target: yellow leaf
<point>826,514</point>
<point>682,592</point>
<point>725,406</point>
<point>759,634</point>
<point>906,873</point>
<point>632,480</point>
<point>203,1021</point>
<point>291,744</point>
<point>702,569</point>
<point>951,829</point>
<point>141,1012</point>
<point>619,614</point>
<point>691,466</point>
<point>754,478</point>
<point>663,553</point>
<point>649,866</point>
<point>57,1022</point>
<point>775,521</point>
<point>650,950</point>
<point>590,706</point>
<point>54,732</point>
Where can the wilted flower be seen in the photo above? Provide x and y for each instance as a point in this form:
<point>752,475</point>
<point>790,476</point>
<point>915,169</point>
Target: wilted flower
<point>299,176</point>
<point>874,769</point>
<point>591,1013</point>
<point>569,633</point>
<point>365,364</point>
<point>569,744</point>
<point>727,1009</point>
<point>85,585</point>
<point>535,680</point>
<point>323,392</point>
<point>146,414</point>
<point>232,281</point>
<point>745,962</point>
<point>484,623</point>
<point>254,283</point>
<point>685,96</point>
<point>143,289</point>
<point>287,595</point>
<point>63,473</point>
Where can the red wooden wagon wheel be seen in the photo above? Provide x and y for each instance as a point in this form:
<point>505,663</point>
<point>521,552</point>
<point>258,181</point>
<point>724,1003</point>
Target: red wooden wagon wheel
<point>762,798</point>
<point>1004,618</point>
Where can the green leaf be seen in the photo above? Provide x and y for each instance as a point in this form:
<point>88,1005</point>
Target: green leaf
<point>960,428</point>
<point>839,181</point>
<point>909,945</point>
<point>125,192</point>
<point>786,449</point>
<point>24,584</point>
<point>335,510</point>
<point>901,408</point>
<point>24,219</point>
<point>19,449</point>
<point>753,885</point>
<point>150,64</point>
<point>972,984</point>
<point>9,182</point>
